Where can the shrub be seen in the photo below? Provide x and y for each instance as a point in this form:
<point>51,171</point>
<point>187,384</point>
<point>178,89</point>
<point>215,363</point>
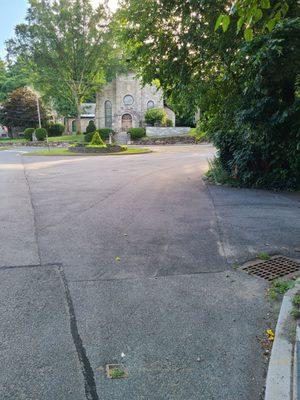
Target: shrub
<point>137,133</point>
<point>41,134</point>
<point>28,133</point>
<point>88,137</point>
<point>169,122</point>
<point>96,140</point>
<point>56,129</point>
<point>91,128</point>
<point>104,133</point>
<point>155,116</point>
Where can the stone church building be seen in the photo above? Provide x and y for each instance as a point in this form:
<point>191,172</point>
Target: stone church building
<point>123,103</point>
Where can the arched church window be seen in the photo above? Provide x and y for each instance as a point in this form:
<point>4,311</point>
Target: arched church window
<point>150,104</point>
<point>128,100</point>
<point>108,114</point>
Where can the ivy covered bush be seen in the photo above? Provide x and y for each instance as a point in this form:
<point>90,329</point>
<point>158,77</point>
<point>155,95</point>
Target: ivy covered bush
<point>28,134</point>
<point>137,133</point>
<point>41,134</point>
<point>96,140</point>
<point>55,129</point>
<point>156,116</point>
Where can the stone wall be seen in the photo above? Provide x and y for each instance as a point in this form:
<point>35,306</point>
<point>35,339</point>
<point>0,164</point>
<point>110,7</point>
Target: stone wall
<point>153,131</point>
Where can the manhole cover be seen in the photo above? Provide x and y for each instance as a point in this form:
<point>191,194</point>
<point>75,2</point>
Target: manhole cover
<point>116,371</point>
<point>275,268</point>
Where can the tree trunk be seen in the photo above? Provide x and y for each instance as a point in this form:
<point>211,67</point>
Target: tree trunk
<point>78,119</point>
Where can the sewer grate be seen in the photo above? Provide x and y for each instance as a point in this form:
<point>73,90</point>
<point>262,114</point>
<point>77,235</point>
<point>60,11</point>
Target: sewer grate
<point>276,267</point>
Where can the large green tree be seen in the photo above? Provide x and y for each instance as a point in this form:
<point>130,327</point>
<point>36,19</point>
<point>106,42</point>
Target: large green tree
<point>254,15</point>
<point>12,76</point>
<point>19,110</point>
<point>247,91</point>
<point>65,42</point>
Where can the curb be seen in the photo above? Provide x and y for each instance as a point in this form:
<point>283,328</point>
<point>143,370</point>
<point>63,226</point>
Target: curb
<point>283,372</point>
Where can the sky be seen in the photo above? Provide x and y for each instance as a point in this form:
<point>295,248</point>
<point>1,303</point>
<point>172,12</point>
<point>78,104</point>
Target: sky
<point>12,12</point>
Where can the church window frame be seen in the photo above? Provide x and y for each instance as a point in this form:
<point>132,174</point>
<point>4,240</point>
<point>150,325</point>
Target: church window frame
<point>108,114</point>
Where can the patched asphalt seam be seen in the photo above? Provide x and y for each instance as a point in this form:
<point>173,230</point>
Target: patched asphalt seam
<point>217,221</point>
<point>87,371</point>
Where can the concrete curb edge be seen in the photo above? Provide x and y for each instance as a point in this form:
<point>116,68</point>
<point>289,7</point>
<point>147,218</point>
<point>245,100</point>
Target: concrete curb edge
<point>283,371</point>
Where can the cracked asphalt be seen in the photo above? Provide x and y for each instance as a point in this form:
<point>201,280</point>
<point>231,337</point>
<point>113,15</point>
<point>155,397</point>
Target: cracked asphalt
<point>127,259</point>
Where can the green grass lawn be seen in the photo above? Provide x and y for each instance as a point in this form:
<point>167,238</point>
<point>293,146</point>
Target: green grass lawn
<point>67,138</point>
<point>66,152</point>
<point>2,140</point>
<point>4,148</point>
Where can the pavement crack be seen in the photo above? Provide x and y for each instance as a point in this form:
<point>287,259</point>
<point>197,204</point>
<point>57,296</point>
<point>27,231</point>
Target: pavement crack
<point>87,371</point>
<point>5,267</point>
<point>154,277</point>
<point>33,211</point>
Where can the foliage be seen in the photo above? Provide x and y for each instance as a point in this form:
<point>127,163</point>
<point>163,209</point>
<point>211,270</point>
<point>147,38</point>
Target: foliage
<point>41,134</point>
<point>169,122</point>
<point>254,13</point>
<point>20,110</point>
<point>55,129</point>
<point>186,119</point>
<point>155,116</point>
<point>137,133</point>
<point>67,138</point>
<point>280,287</point>
<point>91,127</point>
<point>263,256</point>
<point>96,140</point>
<point>66,43</point>
<point>28,133</point>
<point>296,306</point>
<point>247,91</point>
<point>12,77</point>
<point>217,174</point>
<point>88,137</point>
<point>66,152</point>
<point>104,132</point>
<point>117,373</point>
<point>257,125</point>
<point>198,134</point>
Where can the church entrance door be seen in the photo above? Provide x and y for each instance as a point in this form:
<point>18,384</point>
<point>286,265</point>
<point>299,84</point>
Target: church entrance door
<point>126,122</point>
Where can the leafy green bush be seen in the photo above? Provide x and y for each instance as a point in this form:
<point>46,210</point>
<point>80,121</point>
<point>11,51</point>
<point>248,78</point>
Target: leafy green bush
<point>88,137</point>
<point>96,140</point>
<point>41,134</point>
<point>28,134</point>
<point>155,116</point>
<point>91,128</point>
<point>104,132</point>
<point>255,123</point>
<point>169,122</point>
<point>55,129</point>
<point>137,133</point>
<point>217,174</point>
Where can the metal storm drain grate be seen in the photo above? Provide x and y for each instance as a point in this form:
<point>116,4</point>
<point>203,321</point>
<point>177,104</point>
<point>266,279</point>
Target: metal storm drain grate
<point>275,268</point>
